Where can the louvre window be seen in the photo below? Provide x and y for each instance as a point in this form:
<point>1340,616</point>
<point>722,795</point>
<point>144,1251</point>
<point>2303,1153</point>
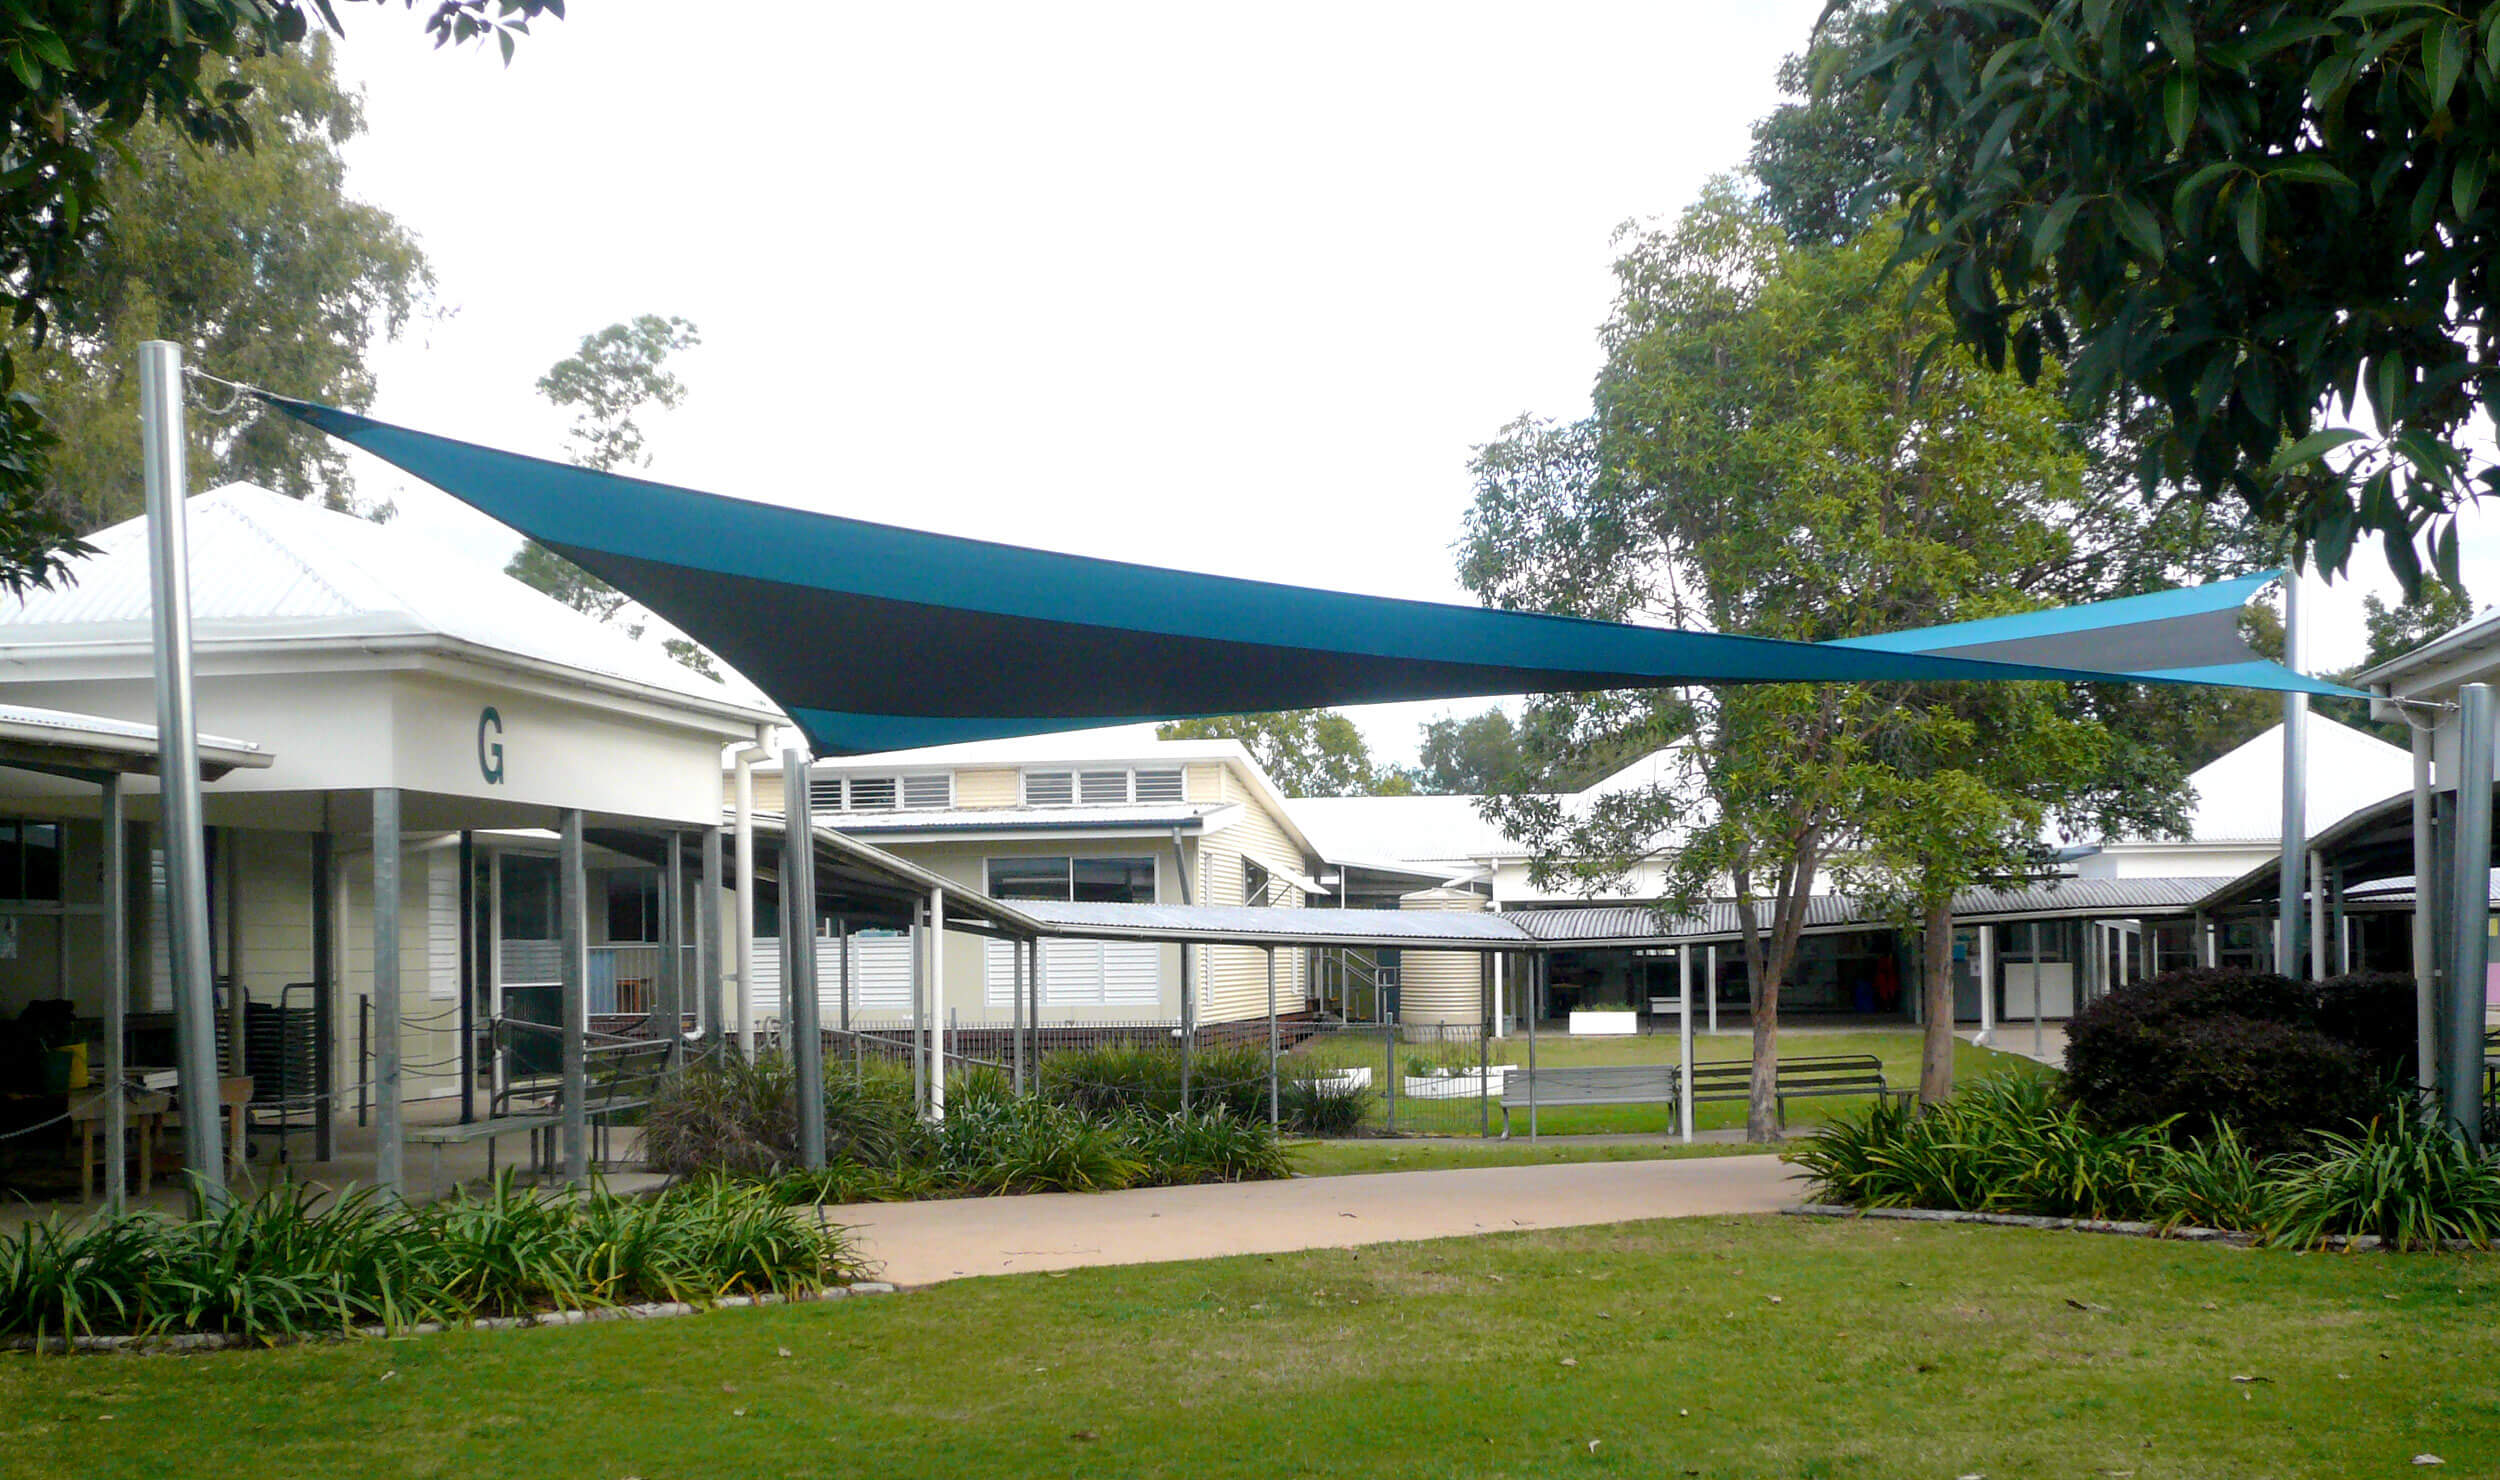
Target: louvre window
<point>871,793</point>
<point>1102,786</point>
<point>1049,788</point>
<point>824,793</point>
<point>1159,785</point>
<point>929,791</point>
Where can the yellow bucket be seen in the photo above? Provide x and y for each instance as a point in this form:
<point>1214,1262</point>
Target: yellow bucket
<point>65,1068</point>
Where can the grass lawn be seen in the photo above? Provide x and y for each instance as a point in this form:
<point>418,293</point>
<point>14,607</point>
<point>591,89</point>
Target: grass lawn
<point>1897,1047</point>
<point>1346,1158</point>
<point>1638,1350</point>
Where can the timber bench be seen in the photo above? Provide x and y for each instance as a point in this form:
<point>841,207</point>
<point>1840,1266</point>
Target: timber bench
<point>1655,1084</point>
<point>618,1078</point>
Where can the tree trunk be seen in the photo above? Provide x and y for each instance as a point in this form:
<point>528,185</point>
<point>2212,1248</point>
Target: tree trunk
<point>1762,997</point>
<point>1935,1068</point>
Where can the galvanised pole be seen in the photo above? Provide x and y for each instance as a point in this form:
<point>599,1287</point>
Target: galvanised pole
<point>2290,915</point>
<point>2469,914</point>
<point>387,1144</point>
<point>166,481</point>
<point>798,887</point>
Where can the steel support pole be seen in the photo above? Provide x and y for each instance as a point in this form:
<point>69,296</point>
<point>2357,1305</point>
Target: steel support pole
<point>2469,914</point>
<point>670,1010</point>
<point>1041,990</point>
<point>1536,1005</point>
<point>1015,1015</point>
<point>2039,1004</point>
<point>166,481</point>
<point>1984,941</point>
<point>325,990</point>
<point>387,1090</point>
<point>116,994</point>
<point>1684,1041</point>
<point>804,1010</point>
<point>573,915</point>
<point>915,1051</point>
<point>1275,1103</point>
<point>2290,926</point>
<point>937,1001</point>
<point>842,970</point>
<point>2425,941</point>
<point>468,977</point>
<point>742,931</point>
<point>707,951</point>
<point>1710,987</point>
<point>2316,876</point>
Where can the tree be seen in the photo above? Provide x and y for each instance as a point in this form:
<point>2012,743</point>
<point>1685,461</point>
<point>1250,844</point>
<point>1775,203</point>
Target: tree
<point>2252,214</point>
<point>1820,158</point>
<point>1469,757</point>
<point>1759,462</point>
<point>607,381</point>
<point>75,81</point>
<point>261,262</point>
<point>1306,752</point>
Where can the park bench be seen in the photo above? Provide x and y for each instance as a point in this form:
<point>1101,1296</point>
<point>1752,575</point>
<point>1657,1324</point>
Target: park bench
<point>1730,1079</point>
<point>618,1078</point>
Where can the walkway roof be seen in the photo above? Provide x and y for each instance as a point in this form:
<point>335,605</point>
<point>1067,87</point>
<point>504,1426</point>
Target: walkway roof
<point>949,639</point>
<point>1253,925</point>
<point>1593,926</point>
<point>88,745</point>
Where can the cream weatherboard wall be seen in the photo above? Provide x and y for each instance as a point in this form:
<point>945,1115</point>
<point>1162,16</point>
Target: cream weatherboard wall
<point>1236,976</point>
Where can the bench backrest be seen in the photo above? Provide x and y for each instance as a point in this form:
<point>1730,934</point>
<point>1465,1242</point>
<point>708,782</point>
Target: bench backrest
<point>1561,1085</point>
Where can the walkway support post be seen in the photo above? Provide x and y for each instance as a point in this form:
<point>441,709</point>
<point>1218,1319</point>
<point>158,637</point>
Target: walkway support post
<point>1536,1005</point>
<point>467,1056</point>
<point>842,966</point>
<point>915,1050</point>
<point>387,1145</point>
<point>707,922</point>
<point>1684,1041</point>
<point>669,1013</point>
<point>1710,985</point>
<point>2425,942</point>
<point>2290,927</point>
<point>2469,914</point>
<point>802,1009</point>
<point>116,993</point>
<point>1275,1103</point>
<point>1985,939</point>
<point>1015,1015</point>
<point>166,481</point>
<point>742,808</point>
<point>936,1003</point>
<point>573,927</point>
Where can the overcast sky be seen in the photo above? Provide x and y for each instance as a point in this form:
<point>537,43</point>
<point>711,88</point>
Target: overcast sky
<point>1235,290</point>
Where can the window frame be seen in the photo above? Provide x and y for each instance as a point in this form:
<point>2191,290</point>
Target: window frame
<point>1067,874</point>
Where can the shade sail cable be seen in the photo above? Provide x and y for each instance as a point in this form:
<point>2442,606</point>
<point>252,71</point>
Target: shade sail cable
<point>928,639</point>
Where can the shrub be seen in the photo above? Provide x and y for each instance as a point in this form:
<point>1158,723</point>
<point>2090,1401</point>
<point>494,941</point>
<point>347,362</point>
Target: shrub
<point>730,1117</point>
<point>2007,1144</point>
<point>287,1264</point>
<point>1317,1104</point>
<point>1215,1147</point>
<point>2373,1012</point>
<point>2403,1178</point>
<point>1114,1077</point>
<point>2200,1049</point>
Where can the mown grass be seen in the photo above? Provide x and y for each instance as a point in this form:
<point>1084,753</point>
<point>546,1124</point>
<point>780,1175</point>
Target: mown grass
<point>1898,1048</point>
<point>1634,1350</point>
<point>1441,1154</point>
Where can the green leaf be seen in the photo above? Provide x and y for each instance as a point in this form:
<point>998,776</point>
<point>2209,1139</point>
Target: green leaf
<point>2447,54</point>
<point>2183,200</point>
<point>2444,558</point>
<point>2251,216</point>
<point>2353,9</point>
<point>2465,187</point>
<point>2178,107</point>
<point>2177,36</point>
<point>2308,169</point>
<point>2052,229</point>
<point>2314,446</point>
<point>2139,225</point>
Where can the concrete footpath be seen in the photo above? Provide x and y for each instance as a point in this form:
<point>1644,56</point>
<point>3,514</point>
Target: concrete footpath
<point>926,1242</point>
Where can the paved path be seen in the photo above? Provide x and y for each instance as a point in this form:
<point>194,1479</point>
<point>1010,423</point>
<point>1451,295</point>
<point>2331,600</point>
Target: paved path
<point>923,1243</point>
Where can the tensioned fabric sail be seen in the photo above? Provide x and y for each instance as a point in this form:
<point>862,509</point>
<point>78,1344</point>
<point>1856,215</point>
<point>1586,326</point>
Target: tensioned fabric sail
<point>874,637</point>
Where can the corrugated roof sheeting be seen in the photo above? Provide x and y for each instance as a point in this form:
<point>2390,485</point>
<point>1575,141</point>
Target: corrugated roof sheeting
<point>1455,929</point>
<point>1593,923</point>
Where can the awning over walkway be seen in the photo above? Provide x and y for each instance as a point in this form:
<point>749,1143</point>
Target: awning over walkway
<point>1255,925</point>
<point>60,743</point>
<point>1582,927</point>
<point>945,639</point>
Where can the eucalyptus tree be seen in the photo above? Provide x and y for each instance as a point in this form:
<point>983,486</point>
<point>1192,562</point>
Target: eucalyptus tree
<point>1771,453</point>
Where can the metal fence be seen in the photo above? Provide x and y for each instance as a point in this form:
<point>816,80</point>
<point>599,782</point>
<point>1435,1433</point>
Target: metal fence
<point>1383,1079</point>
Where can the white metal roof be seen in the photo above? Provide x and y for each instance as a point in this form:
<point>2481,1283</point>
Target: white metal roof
<point>269,571</point>
<point>27,728</point>
<point>2239,796</point>
<point>1025,819</point>
<point>1411,829</point>
<point>1257,925</point>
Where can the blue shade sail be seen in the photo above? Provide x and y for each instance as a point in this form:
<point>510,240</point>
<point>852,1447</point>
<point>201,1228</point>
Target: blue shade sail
<point>874,637</point>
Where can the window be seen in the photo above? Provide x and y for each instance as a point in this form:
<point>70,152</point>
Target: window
<point>634,905</point>
<point>1255,884</point>
<point>30,862</point>
<point>529,897</point>
<point>1091,880</point>
<point>1159,785</point>
<point>872,793</point>
<point>1049,788</point>
<point>937,790</point>
<point>1102,786</point>
<point>1106,786</point>
<point>824,793</point>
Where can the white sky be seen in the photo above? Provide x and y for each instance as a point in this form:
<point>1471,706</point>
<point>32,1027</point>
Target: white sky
<point>1235,291</point>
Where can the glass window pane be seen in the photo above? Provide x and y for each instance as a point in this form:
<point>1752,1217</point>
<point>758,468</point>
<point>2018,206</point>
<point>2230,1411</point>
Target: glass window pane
<point>529,897</point>
<point>1115,880</point>
<point>43,860</point>
<point>634,905</point>
<point>12,864</point>
<point>1029,878</point>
